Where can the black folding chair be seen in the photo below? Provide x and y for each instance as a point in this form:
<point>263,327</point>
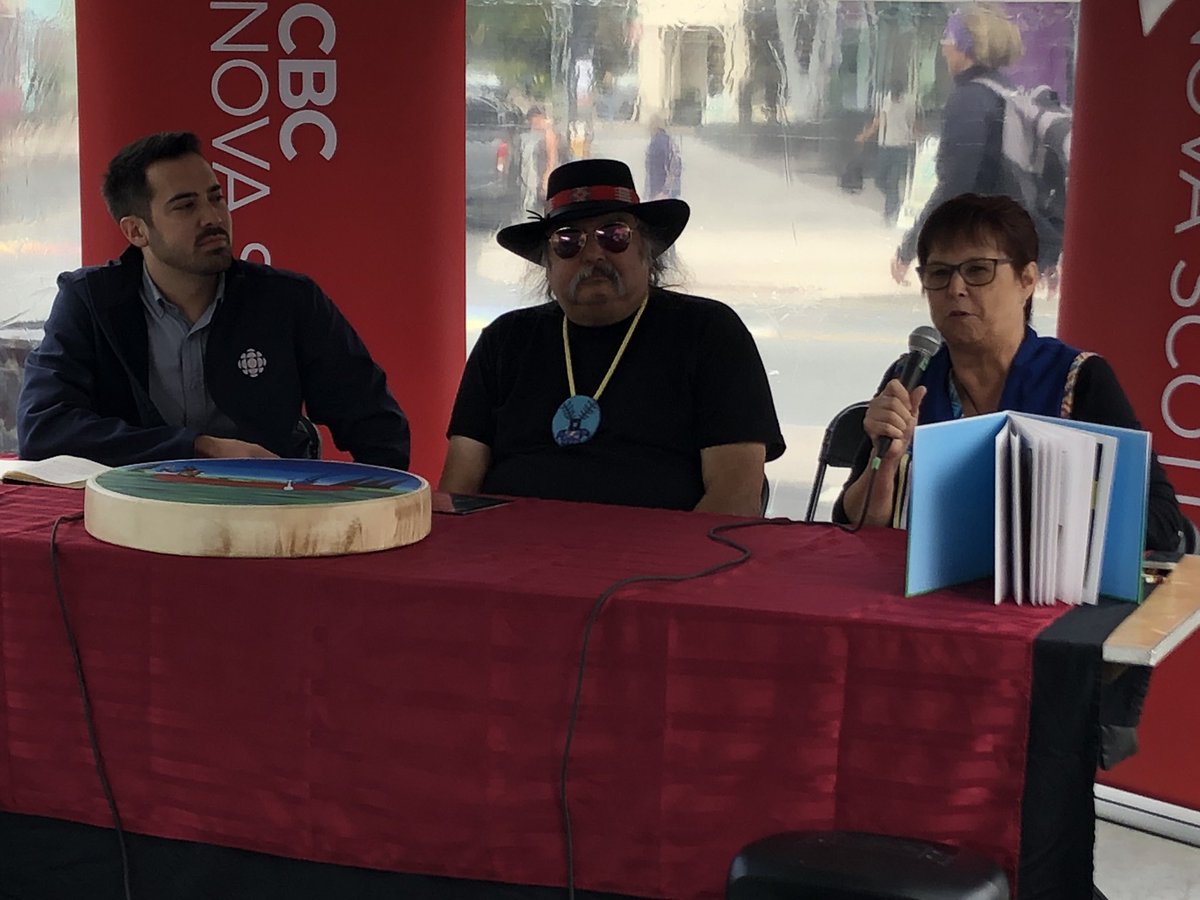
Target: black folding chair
<point>849,865</point>
<point>1191,537</point>
<point>838,448</point>
<point>307,439</point>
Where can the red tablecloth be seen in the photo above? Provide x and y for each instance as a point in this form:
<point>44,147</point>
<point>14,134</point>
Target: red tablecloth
<point>406,710</point>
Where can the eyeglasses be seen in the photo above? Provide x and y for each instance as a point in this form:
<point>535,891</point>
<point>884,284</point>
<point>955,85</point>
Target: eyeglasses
<point>614,237</point>
<point>975,272</point>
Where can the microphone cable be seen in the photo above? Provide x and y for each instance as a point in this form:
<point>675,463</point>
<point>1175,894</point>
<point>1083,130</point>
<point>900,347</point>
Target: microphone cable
<point>716,533</point>
<point>88,716</point>
<point>873,469</point>
<point>923,344</point>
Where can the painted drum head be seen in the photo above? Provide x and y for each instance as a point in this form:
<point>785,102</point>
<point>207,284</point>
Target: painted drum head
<point>257,507</point>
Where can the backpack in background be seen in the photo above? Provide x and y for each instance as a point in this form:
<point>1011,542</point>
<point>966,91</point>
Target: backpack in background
<point>1036,147</point>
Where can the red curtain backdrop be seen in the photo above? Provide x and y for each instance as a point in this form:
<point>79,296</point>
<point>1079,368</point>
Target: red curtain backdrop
<point>1131,286</point>
<point>1132,271</point>
<point>337,128</point>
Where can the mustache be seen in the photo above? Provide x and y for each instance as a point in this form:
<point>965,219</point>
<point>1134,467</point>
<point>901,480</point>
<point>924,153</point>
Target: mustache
<point>212,232</point>
<point>601,268</point>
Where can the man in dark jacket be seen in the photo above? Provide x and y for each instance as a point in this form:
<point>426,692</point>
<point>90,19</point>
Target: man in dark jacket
<point>178,350</point>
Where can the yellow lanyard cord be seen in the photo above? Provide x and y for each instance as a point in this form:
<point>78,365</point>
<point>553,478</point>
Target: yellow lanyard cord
<point>616,359</point>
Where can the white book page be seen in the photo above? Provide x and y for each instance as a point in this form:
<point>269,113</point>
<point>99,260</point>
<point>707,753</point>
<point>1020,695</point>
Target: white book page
<point>1067,479</point>
<point>1075,514</point>
<point>62,471</point>
<point>1043,537</point>
<point>1020,518</point>
<point>1002,564</point>
<point>1125,524</point>
<point>1101,494</point>
<point>1051,509</point>
<point>1037,526</point>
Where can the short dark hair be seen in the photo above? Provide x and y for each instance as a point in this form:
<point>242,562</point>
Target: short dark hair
<point>125,190</point>
<point>994,218</point>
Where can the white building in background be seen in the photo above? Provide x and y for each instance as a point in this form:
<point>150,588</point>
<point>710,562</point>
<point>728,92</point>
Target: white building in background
<point>686,49</point>
<point>694,58</point>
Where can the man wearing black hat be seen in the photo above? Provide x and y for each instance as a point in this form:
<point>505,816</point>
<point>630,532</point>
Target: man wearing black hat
<point>616,391</point>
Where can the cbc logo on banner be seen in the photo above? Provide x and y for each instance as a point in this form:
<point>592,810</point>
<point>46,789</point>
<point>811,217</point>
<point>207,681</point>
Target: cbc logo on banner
<point>252,363</point>
<point>1152,11</point>
<point>306,87</point>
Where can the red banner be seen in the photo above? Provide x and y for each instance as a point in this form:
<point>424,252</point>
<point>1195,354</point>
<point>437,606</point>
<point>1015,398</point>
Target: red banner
<point>1132,285</point>
<point>1132,262</point>
<point>337,129</point>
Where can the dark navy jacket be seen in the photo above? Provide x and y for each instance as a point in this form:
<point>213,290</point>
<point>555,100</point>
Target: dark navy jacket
<point>85,391</point>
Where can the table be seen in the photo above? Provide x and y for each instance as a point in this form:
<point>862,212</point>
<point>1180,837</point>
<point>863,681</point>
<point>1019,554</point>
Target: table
<point>406,710</point>
<point>1168,616</point>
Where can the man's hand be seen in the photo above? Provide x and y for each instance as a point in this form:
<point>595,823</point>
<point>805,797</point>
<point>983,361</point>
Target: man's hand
<point>733,479</point>
<point>208,447</point>
<point>900,271</point>
<point>467,463</point>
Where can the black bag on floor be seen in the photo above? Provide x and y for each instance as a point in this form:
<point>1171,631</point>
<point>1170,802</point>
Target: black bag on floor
<point>851,179</point>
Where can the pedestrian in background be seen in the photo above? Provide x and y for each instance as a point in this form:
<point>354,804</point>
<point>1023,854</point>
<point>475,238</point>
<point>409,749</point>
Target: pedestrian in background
<point>978,43</point>
<point>664,165</point>
<point>895,123</point>
<point>540,149</point>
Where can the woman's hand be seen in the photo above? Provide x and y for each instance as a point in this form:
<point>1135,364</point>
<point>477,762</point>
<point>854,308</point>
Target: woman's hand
<point>893,414</point>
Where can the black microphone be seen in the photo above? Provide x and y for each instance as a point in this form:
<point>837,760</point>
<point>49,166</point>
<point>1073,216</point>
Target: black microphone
<point>923,343</point>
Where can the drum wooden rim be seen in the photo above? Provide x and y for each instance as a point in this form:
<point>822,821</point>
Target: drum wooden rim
<point>331,528</point>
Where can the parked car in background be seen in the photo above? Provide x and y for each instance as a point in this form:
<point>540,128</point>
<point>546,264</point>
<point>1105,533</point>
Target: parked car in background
<point>494,187</point>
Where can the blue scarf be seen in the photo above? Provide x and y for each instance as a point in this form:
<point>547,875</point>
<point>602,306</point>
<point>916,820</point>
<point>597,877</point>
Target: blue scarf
<point>1035,381</point>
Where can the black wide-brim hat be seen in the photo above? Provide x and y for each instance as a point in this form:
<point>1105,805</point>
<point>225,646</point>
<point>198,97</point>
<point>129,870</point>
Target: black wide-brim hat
<point>587,188</point>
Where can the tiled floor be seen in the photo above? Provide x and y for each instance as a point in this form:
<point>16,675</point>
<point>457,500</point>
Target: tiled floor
<point>1133,865</point>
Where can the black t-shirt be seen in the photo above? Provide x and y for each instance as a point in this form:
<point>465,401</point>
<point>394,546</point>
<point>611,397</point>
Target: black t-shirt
<point>690,378</point>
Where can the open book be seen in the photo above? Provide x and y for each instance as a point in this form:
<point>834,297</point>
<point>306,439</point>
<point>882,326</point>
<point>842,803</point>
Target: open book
<point>1054,509</point>
<point>60,471</point>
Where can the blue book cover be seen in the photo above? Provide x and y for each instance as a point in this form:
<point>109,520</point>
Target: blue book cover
<point>952,531</point>
<point>952,503</point>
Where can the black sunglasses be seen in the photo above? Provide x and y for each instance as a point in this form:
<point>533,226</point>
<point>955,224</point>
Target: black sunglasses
<point>614,237</point>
